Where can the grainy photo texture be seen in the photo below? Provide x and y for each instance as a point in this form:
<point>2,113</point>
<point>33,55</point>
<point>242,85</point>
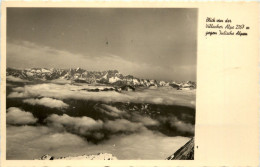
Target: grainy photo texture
<point>101,83</point>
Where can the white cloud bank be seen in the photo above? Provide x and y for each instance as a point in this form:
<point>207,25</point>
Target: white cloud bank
<point>84,126</point>
<point>17,116</point>
<point>111,111</point>
<point>88,127</point>
<point>67,91</point>
<point>29,142</point>
<point>147,121</point>
<point>15,79</point>
<point>123,125</point>
<point>179,125</point>
<point>116,113</point>
<point>182,126</point>
<point>47,102</point>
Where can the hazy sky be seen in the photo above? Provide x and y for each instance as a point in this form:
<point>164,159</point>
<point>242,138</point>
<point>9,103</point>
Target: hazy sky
<point>147,43</point>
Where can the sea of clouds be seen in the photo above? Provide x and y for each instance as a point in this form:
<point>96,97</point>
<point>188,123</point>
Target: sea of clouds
<point>29,142</point>
<point>64,135</point>
<point>164,96</point>
<point>68,136</point>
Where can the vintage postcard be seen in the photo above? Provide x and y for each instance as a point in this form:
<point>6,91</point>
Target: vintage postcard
<point>150,83</point>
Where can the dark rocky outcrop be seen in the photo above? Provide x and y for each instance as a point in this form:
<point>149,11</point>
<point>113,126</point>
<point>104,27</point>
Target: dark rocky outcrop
<point>128,88</point>
<point>186,152</point>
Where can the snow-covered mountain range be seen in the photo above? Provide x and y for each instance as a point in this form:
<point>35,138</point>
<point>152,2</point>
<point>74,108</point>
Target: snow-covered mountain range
<point>110,77</point>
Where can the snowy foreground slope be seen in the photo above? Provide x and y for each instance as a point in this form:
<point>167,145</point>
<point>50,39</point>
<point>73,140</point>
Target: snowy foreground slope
<point>186,152</point>
<point>99,156</point>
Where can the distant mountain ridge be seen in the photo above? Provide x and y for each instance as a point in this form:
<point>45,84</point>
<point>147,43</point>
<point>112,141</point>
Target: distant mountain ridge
<point>112,77</point>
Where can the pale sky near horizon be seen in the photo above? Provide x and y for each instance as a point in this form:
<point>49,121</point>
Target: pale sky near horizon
<point>155,43</point>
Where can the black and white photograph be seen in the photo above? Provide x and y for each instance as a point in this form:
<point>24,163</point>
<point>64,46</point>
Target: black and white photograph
<point>101,83</point>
